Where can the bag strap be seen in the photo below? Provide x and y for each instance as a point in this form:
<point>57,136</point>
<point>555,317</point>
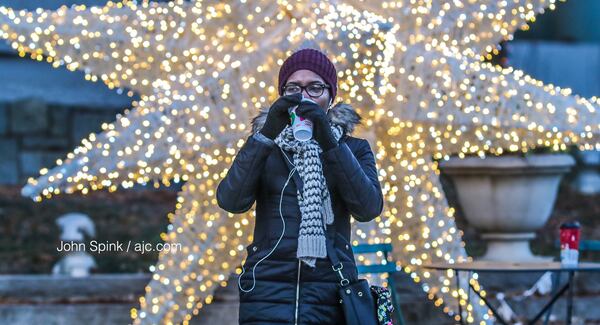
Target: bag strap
<point>336,265</point>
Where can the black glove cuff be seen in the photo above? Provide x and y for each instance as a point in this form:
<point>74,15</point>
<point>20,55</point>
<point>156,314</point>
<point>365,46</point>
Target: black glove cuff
<point>327,140</point>
<point>329,143</point>
<point>268,132</point>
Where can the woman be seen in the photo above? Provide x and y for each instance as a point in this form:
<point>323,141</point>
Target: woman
<point>287,277</point>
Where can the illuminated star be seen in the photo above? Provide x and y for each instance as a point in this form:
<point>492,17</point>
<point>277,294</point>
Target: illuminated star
<point>413,69</point>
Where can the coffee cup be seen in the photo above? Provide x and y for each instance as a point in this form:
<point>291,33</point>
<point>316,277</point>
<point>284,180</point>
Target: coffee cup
<point>570,233</point>
<point>302,128</point>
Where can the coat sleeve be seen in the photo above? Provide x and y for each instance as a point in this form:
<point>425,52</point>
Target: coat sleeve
<point>237,191</point>
<point>355,178</point>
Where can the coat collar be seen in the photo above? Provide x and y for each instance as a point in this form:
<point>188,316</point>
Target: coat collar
<point>341,114</point>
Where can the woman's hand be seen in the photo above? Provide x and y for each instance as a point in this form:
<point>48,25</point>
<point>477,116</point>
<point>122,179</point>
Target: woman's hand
<point>278,116</point>
<point>321,129</point>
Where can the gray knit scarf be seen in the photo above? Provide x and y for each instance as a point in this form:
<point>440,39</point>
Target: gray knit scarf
<point>315,201</point>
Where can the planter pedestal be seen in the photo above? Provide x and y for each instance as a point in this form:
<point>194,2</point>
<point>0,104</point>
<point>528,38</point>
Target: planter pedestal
<point>509,247</point>
<point>508,198</point>
<point>587,180</point>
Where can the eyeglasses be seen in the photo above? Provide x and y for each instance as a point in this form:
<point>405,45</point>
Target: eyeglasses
<point>313,90</point>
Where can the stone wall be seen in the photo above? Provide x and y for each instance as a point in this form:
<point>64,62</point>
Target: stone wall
<point>45,299</point>
<point>34,134</point>
<point>108,299</point>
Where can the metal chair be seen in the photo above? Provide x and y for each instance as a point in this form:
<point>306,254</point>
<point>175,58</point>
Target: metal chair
<point>584,246</point>
<point>389,267</point>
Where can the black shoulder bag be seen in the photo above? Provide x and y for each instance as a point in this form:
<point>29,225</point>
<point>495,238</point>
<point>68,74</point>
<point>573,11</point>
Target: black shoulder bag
<point>362,304</point>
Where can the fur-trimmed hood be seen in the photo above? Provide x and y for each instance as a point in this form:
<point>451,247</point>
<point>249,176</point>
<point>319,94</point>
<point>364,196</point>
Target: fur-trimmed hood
<point>341,113</point>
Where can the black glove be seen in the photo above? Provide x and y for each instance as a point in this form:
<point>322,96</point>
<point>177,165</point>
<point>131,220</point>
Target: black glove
<point>278,116</point>
<point>321,130</point>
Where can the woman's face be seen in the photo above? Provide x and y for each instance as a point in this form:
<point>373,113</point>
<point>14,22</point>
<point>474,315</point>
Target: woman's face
<point>306,77</point>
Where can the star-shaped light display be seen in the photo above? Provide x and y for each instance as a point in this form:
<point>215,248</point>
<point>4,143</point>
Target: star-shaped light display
<point>414,69</point>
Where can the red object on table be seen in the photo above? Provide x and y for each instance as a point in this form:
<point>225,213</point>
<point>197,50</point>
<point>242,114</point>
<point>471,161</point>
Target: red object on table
<point>569,235</point>
<point>569,243</point>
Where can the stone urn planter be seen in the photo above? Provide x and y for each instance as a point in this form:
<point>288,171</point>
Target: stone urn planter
<point>507,198</point>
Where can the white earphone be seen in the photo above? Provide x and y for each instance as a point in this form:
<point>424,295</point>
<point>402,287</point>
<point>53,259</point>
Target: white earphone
<point>280,237</point>
<point>329,106</point>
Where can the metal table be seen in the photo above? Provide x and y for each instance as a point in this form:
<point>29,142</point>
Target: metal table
<point>507,267</point>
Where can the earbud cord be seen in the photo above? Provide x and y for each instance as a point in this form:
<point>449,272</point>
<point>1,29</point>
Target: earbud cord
<point>280,237</point>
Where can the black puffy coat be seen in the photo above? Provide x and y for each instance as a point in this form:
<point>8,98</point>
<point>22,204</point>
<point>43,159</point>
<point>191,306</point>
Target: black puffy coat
<point>287,291</point>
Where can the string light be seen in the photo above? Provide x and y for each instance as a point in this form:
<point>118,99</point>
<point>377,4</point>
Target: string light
<point>415,70</point>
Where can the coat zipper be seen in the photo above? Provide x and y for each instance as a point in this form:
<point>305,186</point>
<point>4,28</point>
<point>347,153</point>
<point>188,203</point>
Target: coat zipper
<point>297,295</point>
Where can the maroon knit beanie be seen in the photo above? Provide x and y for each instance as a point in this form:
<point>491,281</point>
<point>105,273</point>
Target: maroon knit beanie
<point>313,60</point>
